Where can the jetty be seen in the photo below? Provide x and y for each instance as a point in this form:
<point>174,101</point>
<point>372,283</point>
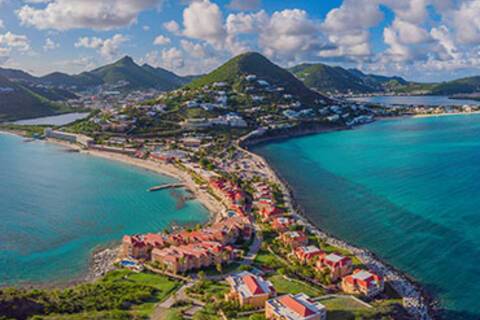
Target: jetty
<point>166,186</point>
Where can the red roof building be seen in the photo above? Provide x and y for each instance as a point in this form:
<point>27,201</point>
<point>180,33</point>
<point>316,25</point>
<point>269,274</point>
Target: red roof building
<point>295,307</point>
<point>363,282</point>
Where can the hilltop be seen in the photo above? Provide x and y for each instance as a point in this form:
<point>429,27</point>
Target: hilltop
<point>124,73</point>
<point>330,79</point>
<point>252,63</point>
<point>19,102</point>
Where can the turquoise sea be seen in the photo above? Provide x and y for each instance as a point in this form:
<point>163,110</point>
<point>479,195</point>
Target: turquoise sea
<point>56,207</point>
<point>416,100</point>
<point>407,189</point>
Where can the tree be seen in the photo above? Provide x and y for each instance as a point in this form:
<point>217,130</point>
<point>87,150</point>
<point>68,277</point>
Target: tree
<point>219,267</point>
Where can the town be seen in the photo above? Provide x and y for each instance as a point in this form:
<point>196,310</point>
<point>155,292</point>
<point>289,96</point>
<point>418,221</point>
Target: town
<point>258,257</point>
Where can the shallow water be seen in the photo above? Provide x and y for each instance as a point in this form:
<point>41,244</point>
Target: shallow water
<point>408,189</point>
<point>57,206</point>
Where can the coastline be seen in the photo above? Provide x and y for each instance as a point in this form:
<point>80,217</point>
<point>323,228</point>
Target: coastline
<point>415,299</point>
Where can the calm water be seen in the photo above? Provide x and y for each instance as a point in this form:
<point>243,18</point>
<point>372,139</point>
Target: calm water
<point>407,189</point>
<point>59,120</point>
<point>56,207</point>
<point>416,100</point>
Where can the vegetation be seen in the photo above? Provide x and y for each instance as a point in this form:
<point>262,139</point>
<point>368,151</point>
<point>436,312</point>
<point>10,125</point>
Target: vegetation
<point>119,294</point>
<point>284,285</point>
<point>234,71</point>
<point>337,79</point>
<point>22,103</point>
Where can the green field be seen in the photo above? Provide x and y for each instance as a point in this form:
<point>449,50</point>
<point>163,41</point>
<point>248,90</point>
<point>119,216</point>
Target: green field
<point>121,294</point>
<point>283,286</point>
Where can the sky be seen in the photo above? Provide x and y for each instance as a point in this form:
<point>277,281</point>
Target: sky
<point>421,40</point>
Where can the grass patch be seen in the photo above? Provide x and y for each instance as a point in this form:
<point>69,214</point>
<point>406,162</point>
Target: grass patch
<point>265,258</point>
<point>284,286</point>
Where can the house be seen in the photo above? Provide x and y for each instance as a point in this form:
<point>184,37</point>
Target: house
<point>294,307</point>
<point>308,253</point>
<point>338,266</point>
<point>282,224</point>
<point>363,282</point>
<point>140,246</point>
<point>270,212</point>
<point>249,289</point>
<point>294,239</point>
<point>188,257</point>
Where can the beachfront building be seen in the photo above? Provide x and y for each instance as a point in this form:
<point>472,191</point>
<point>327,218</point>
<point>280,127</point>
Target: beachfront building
<point>140,246</point>
<point>184,258</point>
<point>294,239</point>
<point>338,266</point>
<point>270,212</point>
<point>294,307</point>
<point>225,232</point>
<point>249,289</point>
<point>308,254</point>
<point>282,224</point>
<point>68,137</point>
<point>363,282</point>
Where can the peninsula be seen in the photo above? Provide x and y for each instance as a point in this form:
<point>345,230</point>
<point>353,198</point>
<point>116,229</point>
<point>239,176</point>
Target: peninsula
<point>259,256</point>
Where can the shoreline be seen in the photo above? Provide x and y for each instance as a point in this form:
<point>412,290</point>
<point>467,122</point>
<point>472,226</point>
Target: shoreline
<point>416,299</point>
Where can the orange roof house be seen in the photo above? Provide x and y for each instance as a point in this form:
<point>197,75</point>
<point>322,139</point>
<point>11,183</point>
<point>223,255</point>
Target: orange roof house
<point>294,307</point>
<point>249,289</point>
<point>338,266</point>
<point>363,282</point>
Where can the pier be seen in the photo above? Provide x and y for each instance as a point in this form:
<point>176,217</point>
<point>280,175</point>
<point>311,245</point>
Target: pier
<point>166,186</point>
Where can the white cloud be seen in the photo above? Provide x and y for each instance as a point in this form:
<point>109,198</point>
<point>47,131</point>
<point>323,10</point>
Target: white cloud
<point>108,48</point>
<point>291,36</point>
<point>161,40</point>
<point>196,50</point>
<point>246,23</point>
<point>172,27</point>
<point>10,41</point>
<point>203,20</point>
<point>146,28</point>
<point>2,25</point>
<point>50,45</point>
<point>92,14</point>
<point>244,5</point>
<point>467,22</point>
<point>171,59</point>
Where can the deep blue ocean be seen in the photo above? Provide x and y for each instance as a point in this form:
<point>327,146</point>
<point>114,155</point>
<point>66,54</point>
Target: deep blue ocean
<point>57,207</point>
<point>407,189</point>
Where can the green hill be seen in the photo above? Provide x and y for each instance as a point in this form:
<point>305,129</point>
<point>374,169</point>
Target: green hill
<point>330,79</point>
<point>460,86</point>
<point>124,71</point>
<point>235,70</point>
<point>18,102</point>
<point>326,78</point>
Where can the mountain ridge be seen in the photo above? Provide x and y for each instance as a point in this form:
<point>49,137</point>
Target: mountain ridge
<point>256,64</point>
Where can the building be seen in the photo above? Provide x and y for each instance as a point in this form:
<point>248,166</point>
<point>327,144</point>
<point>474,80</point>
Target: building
<point>294,307</point>
<point>338,266</point>
<point>188,257</point>
<point>249,289</point>
<point>363,282</point>
<point>294,239</point>
<point>69,137</point>
<point>59,135</point>
<point>282,224</point>
<point>140,246</point>
<point>308,254</point>
<point>270,212</point>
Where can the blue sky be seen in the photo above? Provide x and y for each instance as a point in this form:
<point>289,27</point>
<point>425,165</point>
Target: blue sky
<point>423,40</point>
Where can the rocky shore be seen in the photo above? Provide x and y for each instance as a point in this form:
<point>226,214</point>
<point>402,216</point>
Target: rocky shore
<point>101,262</point>
<point>418,303</point>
